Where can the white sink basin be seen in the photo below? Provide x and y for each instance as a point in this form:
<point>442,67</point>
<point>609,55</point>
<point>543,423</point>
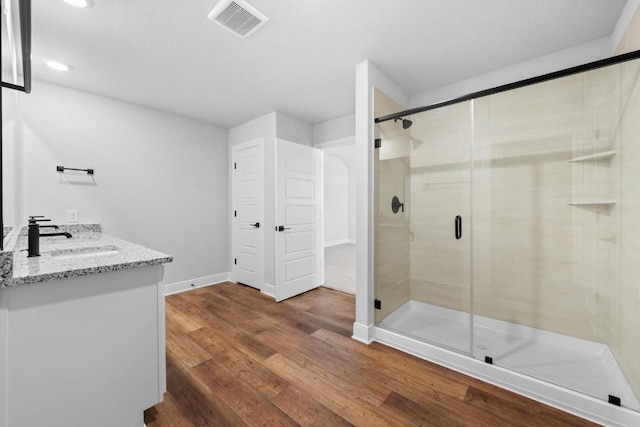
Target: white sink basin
<point>87,252</point>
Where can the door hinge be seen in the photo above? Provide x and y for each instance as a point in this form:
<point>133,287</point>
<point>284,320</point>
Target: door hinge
<point>235,261</point>
<point>235,165</point>
<point>377,143</point>
<point>235,213</point>
<point>377,304</point>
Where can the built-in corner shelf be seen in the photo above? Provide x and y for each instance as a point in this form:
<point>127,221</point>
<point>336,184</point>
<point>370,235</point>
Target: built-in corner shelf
<point>594,202</point>
<point>602,155</point>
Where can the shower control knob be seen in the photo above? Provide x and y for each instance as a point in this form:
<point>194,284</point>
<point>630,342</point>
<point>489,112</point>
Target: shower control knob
<point>396,205</point>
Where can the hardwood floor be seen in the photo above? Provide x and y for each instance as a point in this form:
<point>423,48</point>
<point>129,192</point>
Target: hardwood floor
<point>235,357</point>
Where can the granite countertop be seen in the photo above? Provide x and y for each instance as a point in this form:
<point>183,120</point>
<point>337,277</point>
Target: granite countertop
<point>87,252</point>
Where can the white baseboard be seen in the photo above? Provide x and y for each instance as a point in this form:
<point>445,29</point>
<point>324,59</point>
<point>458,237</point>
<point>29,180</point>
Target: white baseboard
<point>269,290</point>
<point>363,333</point>
<point>175,288</point>
<point>339,242</point>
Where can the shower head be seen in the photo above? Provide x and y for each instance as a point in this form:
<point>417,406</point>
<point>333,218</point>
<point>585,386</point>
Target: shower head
<point>406,123</point>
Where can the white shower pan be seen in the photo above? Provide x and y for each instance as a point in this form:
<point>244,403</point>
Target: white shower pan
<point>572,374</point>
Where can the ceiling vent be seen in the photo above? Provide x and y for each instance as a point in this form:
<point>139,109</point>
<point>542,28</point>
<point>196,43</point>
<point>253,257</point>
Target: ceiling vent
<point>238,16</point>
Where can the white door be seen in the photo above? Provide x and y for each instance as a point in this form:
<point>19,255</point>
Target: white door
<point>299,254</point>
<point>248,211</point>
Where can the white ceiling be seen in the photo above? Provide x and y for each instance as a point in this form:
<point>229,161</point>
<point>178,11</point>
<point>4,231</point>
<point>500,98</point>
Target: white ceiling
<point>166,54</point>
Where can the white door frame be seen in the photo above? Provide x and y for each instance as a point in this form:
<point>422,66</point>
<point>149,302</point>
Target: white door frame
<point>260,265</point>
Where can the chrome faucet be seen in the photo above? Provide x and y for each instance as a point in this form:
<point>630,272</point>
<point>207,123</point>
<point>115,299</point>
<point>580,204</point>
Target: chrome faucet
<point>34,234</point>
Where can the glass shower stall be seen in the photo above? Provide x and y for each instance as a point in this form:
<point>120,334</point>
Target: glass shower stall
<point>507,228</point>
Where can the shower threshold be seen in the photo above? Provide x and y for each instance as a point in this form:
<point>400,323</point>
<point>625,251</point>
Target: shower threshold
<point>579,365</point>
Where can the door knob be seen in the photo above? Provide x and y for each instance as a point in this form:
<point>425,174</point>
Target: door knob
<point>282,228</point>
<point>256,225</point>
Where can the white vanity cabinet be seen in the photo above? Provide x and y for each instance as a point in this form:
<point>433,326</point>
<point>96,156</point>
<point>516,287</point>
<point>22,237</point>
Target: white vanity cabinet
<point>83,351</point>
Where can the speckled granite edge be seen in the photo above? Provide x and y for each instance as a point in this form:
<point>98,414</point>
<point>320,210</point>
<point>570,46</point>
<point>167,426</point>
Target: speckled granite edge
<point>6,265</point>
<point>83,272</point>
<point>6,256</point>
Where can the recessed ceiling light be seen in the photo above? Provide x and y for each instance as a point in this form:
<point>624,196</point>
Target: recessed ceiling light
<point>56,65</point>
<point>79,3</point>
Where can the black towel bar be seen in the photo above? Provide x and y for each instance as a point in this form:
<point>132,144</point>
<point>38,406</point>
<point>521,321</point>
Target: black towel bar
<point>62,169</point>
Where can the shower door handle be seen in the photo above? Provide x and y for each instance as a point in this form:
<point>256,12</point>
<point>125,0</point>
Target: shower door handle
<point>458,227</point>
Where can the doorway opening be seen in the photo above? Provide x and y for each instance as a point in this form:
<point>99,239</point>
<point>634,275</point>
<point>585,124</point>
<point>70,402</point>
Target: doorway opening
<point>340,218</point>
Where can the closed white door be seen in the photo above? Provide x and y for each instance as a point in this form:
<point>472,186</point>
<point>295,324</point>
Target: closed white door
<point>299,254</point>
<point>248,211</point>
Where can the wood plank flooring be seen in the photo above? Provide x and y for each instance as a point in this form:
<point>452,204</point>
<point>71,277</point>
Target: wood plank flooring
<point>235,357</point>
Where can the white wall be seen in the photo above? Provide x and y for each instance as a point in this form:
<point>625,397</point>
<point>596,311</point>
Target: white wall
<point>337,138</point>
<point>336,201</point>
<point>11,159</point>
<point>336,129</point>
<point>578,55</point>
<point>352,205</point>
<point>348,155</point>
<point>160,180</point>
<point>260,127</point>
<point>293,129</point>
<point>624,22</point>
